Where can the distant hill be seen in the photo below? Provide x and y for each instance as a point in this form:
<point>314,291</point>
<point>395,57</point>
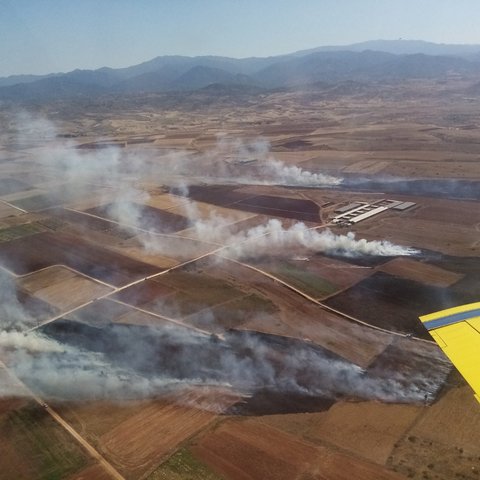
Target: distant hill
<point>365,62</point>
<point>327,67</point>
<point>16,79</point>
<point>402,47</point>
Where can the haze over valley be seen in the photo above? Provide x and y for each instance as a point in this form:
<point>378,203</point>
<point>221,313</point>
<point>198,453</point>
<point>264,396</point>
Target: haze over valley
<point>213,267</point>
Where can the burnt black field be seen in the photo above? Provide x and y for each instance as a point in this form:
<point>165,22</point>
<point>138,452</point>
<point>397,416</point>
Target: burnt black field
<point>358,260</point>
<point>444,188</point>
<point>33,252</point>
<point>454,189</point>
<point>277,206</point>
<point>276,374</point>
<point>149,218</point>
<point>395,303</point>
<point>270,401</point>
<point>303,210</point>
<point>12,185</point>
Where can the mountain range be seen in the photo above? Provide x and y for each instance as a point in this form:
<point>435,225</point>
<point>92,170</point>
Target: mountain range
<point>372,61</point>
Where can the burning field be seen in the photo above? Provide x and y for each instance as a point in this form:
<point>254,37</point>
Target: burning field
<point>198,314</point>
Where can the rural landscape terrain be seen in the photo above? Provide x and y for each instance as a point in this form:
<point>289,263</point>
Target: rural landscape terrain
<point>223,281</point>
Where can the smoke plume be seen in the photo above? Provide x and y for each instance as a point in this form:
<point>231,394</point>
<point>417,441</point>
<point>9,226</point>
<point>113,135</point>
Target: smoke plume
<point>238,161</point>
<point>273,237</point>
<point>125,361</point>
<point>73,359</point>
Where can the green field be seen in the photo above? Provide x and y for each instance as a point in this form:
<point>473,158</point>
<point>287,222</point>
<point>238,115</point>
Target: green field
<point>308,282</point>
<point>61,194</point>
<point>19,231</point>
<point>234,313</point>
<point>183,466</point>
<point>43,450</point>
<point>198,290</point>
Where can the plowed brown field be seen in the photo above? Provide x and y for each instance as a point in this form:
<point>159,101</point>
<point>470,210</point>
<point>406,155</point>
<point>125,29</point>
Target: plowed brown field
<point>420,272</point>
<point>62,288</point>
<point>138,444</point>
<point>445,441</point>
<point>32,253</point>
<point>245,450</point>
<point>149,218</point>
<point>93,472</point>
<point>369,429</point>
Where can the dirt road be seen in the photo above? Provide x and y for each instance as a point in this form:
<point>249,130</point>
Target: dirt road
<point>91,451</point>
<point>320,304</point>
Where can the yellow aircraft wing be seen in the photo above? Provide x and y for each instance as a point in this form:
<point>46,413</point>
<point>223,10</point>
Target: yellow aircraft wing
<point>457,332</point>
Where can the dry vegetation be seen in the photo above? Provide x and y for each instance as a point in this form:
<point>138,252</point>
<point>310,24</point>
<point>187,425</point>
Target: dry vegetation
<point>61,287</point>
<point>66,249</point>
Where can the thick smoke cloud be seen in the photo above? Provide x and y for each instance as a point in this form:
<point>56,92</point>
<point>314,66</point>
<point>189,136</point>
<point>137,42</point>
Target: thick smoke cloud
<point>73,360</point>
<point>33,342</point>
<point>273,237</point>
<point>14,319</point>
<point>13,315</point>
<point>122,176</point>
<point>132,362</point>
<point>70,359</point>
<point>277,173</point>
<point>234,160</point>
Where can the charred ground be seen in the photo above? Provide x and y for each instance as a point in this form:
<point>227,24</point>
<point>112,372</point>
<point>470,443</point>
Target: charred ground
<point>166,345</point>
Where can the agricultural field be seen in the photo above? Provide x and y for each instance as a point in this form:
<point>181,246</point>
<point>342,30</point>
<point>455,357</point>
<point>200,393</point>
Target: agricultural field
<point>33,445</point>
<point>42,250</point>
<point>182,305</point>
<point>152,219</point>
<point>62,288</point>
<point>245,449</point>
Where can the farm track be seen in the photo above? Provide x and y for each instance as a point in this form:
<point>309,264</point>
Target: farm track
<point>90,450</point>
<point>214,252</point>
<point>320,304</point>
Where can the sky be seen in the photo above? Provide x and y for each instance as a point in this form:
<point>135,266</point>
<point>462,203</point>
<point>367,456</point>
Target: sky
<point>45,36</point>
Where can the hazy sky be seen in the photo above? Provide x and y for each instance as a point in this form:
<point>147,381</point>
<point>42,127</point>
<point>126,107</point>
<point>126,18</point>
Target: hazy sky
<point>42,36</point>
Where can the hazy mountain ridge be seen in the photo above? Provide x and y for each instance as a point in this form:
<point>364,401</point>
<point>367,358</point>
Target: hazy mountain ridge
<point>364,62</point>
<point>402,47</point>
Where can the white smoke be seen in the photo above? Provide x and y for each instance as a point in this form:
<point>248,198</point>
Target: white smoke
<point>34,342</point>
<point>126,207</point>
<point>269,170</point>
<point>13,315</point>
<point>276,172</point>
<point>106,173</point>
<point>58,368</point>
<point>273,237</point>
<point>237,161</point>
<point>138,362</point>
